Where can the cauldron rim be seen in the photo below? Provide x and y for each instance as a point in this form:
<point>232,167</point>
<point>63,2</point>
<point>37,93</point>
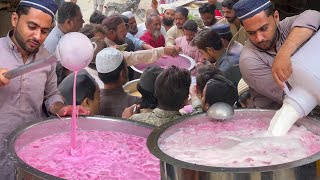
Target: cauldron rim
<point>152,144</point>
<point>12,137</point>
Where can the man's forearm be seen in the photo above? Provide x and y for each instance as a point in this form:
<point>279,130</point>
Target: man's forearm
<point>146,46</point>
<point>295,39</point>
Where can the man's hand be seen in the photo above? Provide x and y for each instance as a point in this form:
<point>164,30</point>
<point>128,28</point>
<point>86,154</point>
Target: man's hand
<point>172,51</point>
<point>67,111</point>
<point>281,69</point>
<point>58,108</point>
<point>129,111</point>
<point>3,81</point>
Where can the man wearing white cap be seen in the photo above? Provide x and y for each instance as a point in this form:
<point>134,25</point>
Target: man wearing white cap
<point>113,72</point>
<point>168,17</point>
<point>265,59</point>
<point>132,31</point>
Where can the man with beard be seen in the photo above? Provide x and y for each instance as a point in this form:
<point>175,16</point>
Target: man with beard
<point>22,97</point>
<point>207,14</point>
<point>142,26</point>
<point>132,31</point>
<point>116,30</point>
<point>230,18</point>
<point>176,31</point>
<point>153,36</point>
<point>168,17</point>
<point>265,59</point>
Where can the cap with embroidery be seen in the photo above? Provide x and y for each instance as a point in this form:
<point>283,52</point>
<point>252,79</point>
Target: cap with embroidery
<point>108,60</point>
<point>128,14</point>
<point>248,8</point>
<point>47,6</point>
<point>221,28</point>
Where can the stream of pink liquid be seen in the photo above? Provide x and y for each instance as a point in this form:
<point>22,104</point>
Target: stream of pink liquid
<point>98,154</point>
<point>74,115</point>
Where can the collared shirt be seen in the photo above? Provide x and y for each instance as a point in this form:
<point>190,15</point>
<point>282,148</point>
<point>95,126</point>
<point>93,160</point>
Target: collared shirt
<point>114,101</point>
<point>189,50</point>
<point>142,29</point>
<point>256,64</point>
<point>53,38</point>
<point>22,99</point>
<point>172,34</point>
<point>157,117</point>
<point>241,37</point>
<point>148,38</point>
<point>136,41</point>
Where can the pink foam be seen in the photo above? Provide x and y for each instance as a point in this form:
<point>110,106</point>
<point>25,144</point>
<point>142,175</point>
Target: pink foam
<point>238,143</point>
<point>101,155</point>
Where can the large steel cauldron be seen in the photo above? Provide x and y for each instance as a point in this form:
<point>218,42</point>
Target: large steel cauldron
<point>29,133</point>
<point>173,169</point>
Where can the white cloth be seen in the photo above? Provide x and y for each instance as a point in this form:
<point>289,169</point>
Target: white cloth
<point>52,40</point>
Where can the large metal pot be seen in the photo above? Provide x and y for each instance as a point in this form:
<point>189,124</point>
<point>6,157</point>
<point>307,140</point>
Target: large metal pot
<point>33,131</point>
<point>173,169</point>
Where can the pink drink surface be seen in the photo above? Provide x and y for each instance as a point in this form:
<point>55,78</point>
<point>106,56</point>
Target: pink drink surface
<point>238,143</point>
<point>102,155</point>
<point>167,61</point>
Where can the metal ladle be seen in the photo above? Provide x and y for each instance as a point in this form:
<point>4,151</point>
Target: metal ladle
<point>74,51</point>
<point>220,111</point>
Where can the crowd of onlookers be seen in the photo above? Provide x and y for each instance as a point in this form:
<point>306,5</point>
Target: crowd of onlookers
<point>214,42</point>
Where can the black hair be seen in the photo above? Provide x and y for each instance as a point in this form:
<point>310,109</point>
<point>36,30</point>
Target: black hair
<point>207,8</point>
<point>68,10</point>
<point>90,29</point>
<point>229,3</point>
<point>86,87</point>
<point>220,89</point>
<point>172,88</point>
<point>22,10</point>
<point>190,25</point>
<point>208,38</point>
<point>184,11</point>
<point>112,77</point>
<point>148,99</point>
<point>204,73</point>
<point>125,19</point>
<point>270,10</point>
<point>227,36</point>
<point>97,17</point>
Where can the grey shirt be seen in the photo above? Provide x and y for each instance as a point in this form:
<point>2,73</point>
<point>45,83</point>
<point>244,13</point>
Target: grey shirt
<point>114,101</point>
<point>256,64</point>
<point>53,38</point>
<point>157,117</point>
<point>22,99</point>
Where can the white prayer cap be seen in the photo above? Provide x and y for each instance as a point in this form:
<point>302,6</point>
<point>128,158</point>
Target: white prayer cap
<point>128,14</point>
<point>170,7</point>
<point>108,60</point>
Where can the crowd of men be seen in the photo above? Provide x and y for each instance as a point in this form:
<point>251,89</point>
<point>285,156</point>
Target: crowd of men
<point>249,41</point>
